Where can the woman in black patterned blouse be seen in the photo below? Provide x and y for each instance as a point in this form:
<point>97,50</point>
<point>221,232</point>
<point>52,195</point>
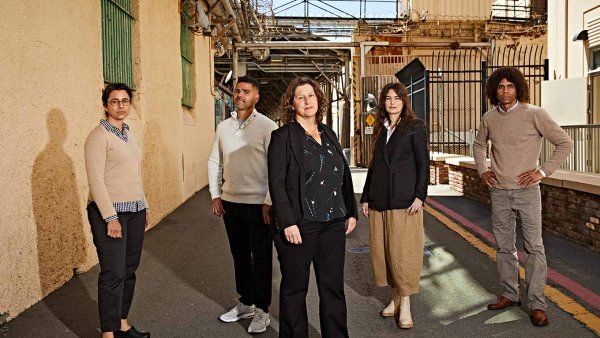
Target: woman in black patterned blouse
<point>314,205</point>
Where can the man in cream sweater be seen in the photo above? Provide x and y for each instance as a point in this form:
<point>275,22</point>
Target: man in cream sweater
<point>515,130</point>
<point>237,176</point>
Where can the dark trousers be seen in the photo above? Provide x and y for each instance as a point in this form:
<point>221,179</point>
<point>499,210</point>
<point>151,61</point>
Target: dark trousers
<point>251,244</point>
<point>323,244</point>
<point>119,259</point>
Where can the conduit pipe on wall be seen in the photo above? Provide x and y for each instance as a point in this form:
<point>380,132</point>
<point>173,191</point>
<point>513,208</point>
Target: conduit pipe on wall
<point>226,5</point>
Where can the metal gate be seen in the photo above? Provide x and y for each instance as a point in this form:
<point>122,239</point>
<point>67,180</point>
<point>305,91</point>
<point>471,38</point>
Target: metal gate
<point>447,91</point>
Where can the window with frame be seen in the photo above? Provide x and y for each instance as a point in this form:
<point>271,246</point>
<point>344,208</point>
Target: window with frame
<point>117,54</point>
<point>594,114</point>
<point>187,67</point>
<point>595,59</point>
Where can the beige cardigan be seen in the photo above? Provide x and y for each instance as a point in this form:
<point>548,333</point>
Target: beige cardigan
<point>113,170</point>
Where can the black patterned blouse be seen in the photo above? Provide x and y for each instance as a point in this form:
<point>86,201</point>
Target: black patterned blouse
<point>323,177</point>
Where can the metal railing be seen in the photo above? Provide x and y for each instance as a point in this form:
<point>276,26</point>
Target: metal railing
<point>520,11</point>
<point>586,155</point>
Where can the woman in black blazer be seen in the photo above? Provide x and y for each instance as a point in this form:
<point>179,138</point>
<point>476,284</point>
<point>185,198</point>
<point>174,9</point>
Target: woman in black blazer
<point>314,206</point>
<point>393,197</point>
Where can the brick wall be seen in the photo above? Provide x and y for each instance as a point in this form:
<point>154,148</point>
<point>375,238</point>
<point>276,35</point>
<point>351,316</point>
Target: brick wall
<point>570,213</point>
<point>438,172</point>
<point>573,214</point>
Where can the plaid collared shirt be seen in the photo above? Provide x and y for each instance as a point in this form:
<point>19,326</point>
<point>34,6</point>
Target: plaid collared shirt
<point>129,206</point>
<point>120,134</point>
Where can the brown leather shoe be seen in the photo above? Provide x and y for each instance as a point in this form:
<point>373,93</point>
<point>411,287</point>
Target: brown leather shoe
<point>502,303</point>
<point>539,317</point>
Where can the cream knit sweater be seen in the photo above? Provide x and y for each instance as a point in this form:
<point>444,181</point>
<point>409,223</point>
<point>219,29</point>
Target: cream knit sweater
<point>237,167</point>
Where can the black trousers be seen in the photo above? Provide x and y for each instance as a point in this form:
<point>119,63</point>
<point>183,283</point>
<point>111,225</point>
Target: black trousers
<point>119,259</point>
<point>251,244</point>
<point>323,244</point>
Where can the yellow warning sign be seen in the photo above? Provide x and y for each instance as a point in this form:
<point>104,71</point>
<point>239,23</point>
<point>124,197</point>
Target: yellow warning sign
<point>370,120</point>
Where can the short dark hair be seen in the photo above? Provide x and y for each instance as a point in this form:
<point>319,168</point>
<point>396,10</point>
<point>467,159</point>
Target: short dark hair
<point>112,87</point>
<point>511,74</point>
<point>250,80</point>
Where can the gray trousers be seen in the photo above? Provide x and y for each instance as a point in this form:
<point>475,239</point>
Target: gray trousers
<point>528,203</point>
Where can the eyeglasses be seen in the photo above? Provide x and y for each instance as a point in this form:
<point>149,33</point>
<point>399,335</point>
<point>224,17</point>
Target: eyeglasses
<point>115,102</point>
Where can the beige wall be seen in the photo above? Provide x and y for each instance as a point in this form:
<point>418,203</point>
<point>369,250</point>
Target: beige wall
<point>568,58</point>
<point>51,66</point>
<point>449,8</point>
<point>562,110</point>
<point>565,19</point>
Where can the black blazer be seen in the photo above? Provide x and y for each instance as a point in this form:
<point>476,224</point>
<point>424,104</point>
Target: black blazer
<point>286,175</point>
<point>400,169</point>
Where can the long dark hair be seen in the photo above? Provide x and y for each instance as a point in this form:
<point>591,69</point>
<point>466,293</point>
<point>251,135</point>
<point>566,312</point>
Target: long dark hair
<point>407,116</point>
<point>286,107</point>
<point>511,74</point>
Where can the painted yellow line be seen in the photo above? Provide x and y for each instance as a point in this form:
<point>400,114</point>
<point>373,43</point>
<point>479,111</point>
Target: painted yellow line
<point>563,301</point>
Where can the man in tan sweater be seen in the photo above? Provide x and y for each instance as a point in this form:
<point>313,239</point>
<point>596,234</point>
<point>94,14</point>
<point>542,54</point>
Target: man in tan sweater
<point>515,130</point>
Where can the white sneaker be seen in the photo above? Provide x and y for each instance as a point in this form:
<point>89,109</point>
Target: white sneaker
<point>240,311</point>
<point>260,322</point>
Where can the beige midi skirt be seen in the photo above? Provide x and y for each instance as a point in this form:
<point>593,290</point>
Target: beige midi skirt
<point>396,240</point>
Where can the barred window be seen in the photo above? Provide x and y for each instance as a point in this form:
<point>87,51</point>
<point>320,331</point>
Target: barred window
<point>187,67</point>
<point>117,56</point>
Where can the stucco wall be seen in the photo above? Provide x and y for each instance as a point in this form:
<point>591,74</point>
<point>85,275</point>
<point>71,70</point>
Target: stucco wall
<point>51,66</point>
<point>565,19</point>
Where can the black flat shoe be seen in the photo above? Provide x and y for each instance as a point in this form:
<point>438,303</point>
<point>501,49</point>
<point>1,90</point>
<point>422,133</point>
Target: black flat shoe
<point>131,333</point>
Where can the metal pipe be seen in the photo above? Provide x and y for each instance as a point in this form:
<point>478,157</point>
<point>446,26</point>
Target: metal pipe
<point>258,24</point>
<point>347,45</point>
<point>234,66</point>
<point>241,16</point>
<point>236,30</point>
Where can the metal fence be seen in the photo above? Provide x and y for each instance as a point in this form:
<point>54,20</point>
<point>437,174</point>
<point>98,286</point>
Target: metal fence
<point>450,93</point>
<point>520,11</point>
<point>586,155</point>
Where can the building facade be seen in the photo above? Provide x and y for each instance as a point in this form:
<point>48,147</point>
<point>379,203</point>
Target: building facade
<point>574,54</point>
<point>56,58</point>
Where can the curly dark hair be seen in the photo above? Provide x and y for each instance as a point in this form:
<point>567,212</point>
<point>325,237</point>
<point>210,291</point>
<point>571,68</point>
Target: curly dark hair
<point>286,106</point>
<point>511,74</point>
<point>407,116</point>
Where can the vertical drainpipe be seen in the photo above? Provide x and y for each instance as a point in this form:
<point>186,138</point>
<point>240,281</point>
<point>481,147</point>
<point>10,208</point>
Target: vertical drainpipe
<point>566,39</point>
<point>234,66</point>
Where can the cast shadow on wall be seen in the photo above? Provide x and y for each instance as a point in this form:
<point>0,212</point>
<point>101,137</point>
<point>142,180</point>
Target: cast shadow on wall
<point>60,230</point>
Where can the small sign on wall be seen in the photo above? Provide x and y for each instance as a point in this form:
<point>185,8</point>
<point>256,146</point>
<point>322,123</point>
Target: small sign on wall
<point>368,130</point>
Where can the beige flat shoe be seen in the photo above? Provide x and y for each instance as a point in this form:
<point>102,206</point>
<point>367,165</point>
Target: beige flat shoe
<point>405,325</point>
<point>388,314</point>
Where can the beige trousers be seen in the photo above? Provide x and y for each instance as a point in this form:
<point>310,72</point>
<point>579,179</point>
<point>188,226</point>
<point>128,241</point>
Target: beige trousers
<point>397,249</point>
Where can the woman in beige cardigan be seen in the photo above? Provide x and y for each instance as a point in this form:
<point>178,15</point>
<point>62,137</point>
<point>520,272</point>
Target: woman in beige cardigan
<point>117,211</point>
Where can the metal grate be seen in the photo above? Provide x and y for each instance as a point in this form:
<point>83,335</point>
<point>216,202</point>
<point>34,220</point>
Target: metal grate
<point>117,55</point>
<point>187,67</point>
<point>450,94</point>
<point>585,157</point>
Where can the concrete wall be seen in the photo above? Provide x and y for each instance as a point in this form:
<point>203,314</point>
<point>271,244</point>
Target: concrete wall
<point>565,19</point>
<point>51,66</point>
<point>566,112</point>
<point>568,58</point>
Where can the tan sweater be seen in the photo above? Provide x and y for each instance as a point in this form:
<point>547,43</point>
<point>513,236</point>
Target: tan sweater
<point>516,141</point>
<point>113,170</point>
